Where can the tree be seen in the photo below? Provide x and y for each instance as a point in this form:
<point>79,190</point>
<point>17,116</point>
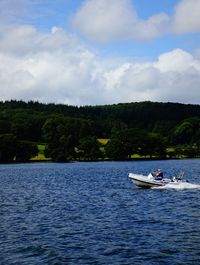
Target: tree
<point>187,151</point>
<point>25,150</point>
<point>153,145</point>
<point>26,124</point>
<point>89,148</point>
<point>62,136</point>
<point>8,147</point>
<point>187,132</point>
<point>124,143</point>
<point>191,151</point>
<point>4,126</point>
<point>114,150</point>
<point>183,133</point>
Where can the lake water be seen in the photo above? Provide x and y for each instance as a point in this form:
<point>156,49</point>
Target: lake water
<point>91,213</point>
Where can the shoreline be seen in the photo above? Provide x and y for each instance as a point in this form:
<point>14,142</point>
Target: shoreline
<point>100,160</point>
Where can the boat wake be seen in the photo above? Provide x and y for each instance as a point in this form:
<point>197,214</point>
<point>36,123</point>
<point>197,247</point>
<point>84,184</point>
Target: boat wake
<point>179,186</point>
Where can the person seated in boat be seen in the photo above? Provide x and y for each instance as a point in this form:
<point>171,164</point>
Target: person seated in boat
<point>158,174</point>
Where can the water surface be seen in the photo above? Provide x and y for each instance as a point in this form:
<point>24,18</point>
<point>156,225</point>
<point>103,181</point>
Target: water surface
<point>91,213</point>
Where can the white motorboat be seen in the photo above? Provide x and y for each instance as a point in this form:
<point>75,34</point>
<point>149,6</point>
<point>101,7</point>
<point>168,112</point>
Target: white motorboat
<point>149,181</point>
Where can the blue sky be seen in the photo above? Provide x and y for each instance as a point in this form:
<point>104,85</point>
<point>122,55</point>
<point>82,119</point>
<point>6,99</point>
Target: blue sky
<point>100,51</point>
<point>59,13</point>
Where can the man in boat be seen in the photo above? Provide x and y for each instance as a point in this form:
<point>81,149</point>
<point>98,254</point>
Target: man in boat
<point>158,174</point>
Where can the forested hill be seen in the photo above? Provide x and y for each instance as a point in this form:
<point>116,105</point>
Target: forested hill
<point>152,116</point>
<point>72,132</point>
<point>138,111</point>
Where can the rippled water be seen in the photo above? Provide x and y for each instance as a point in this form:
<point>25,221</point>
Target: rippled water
<point>91,213</point>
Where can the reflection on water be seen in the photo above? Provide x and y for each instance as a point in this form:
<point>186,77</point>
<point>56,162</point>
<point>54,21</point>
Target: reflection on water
<point>91,213</point>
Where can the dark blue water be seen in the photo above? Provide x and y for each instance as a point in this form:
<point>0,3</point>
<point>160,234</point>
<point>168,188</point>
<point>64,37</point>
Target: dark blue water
<point>91,213</point>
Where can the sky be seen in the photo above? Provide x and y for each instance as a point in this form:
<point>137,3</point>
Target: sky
<point>95,52</point>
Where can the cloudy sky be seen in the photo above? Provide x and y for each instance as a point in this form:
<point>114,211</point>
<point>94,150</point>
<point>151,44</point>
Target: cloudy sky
<point>91,52</point>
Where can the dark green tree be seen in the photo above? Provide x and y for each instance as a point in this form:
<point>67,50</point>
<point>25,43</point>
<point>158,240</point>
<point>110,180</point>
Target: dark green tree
<point>115,150</point>
<point>183,133</point>
<point>124,143</point>
<point>153,145</point>
<point>8,147</point>
<point>25,151</point>
<point>89,148</point>
<point>191,151</point>
<point>4,126</point>
<point>187,151</point>
<point>187,132</point>
<point>62,136</point>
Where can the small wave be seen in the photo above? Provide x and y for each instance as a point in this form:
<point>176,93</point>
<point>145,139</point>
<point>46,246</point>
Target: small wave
<point>179,186</point>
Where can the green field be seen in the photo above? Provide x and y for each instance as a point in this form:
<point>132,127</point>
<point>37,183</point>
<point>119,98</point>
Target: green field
<point>103,141</point>
<point>40,156</point>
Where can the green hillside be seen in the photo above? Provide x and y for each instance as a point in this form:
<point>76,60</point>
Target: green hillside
<point>145,129</point>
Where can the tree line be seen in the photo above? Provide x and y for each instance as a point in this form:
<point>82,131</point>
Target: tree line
<point>145,129</point>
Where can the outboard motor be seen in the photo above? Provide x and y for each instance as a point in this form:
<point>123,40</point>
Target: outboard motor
<point>179,177</point>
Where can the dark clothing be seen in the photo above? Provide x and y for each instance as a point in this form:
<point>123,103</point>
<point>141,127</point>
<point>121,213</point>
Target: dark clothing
<point>159,176</point>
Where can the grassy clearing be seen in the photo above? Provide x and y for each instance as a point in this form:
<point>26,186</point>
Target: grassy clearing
<point>40,156</point>
<point>41,147</point>
<point>103,141</point>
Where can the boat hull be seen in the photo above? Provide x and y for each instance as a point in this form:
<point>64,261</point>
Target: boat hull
<point>145,182</point>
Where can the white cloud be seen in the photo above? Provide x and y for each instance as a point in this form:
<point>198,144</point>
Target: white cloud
<point>56,67</point>
<point>17,39</point>
<point>174,77</point>
<point>102,20</point>
<point>151,28</point>
<point>187,17</point>
<point>177,61</point>
<point>49,67</point>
